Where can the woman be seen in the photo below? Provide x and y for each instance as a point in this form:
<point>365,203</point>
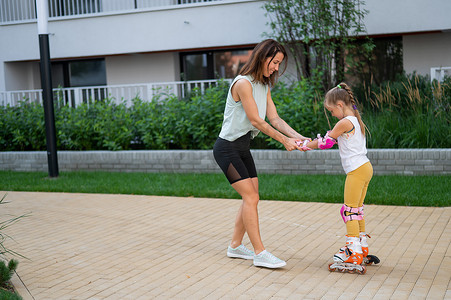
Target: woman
<point>248,103</point>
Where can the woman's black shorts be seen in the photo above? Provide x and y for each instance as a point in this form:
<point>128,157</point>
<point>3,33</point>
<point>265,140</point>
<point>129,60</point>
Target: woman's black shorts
<point>235,159</point>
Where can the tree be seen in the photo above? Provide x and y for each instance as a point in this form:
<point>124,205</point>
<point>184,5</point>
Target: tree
<point>320,35</point>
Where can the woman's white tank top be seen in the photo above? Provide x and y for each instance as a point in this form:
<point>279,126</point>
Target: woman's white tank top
<point>235,123</point>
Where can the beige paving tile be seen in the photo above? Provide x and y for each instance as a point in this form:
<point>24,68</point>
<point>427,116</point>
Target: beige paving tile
<point>93,246</point>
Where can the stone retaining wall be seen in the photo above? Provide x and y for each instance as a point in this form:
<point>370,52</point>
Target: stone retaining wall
<point>385,161</point>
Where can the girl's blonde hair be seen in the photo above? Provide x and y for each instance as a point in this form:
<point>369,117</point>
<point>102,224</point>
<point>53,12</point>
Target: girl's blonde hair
<point>342,92</point>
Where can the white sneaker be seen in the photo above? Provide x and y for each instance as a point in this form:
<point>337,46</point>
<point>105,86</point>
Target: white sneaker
<point>267,260</point>
<point>240,252</point>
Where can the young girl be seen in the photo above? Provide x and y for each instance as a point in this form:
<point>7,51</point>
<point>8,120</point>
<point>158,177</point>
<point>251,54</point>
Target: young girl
<point>350,133</point>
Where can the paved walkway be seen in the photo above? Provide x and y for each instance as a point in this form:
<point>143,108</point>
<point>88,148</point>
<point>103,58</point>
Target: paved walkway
<point>92,246</point>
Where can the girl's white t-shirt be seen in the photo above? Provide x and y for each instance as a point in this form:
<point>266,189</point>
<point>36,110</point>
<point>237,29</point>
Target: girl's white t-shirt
<point>352,147</point>
<point>236,124</point>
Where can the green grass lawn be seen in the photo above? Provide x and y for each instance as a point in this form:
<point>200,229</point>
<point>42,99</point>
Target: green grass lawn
<point>383,190</point>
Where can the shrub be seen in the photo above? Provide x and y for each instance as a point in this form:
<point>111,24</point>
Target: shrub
<point>206,114</point>
<point>192,123</point>
<point>6,272</point>
<point>410,112</point>
<point>22,127</point>
<point>94,126</point>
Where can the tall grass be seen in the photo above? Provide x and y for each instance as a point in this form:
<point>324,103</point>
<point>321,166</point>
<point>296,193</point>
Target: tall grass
<point>5,224</point>
<point>411,112</point>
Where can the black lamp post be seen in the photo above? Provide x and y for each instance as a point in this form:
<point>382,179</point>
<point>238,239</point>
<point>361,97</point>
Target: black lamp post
<point>46,84</point>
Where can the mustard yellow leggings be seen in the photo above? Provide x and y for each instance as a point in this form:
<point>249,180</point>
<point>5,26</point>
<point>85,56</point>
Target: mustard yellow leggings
<point>356,186</point>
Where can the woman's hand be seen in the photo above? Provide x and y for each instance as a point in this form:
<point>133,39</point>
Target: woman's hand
<point>290,144</point>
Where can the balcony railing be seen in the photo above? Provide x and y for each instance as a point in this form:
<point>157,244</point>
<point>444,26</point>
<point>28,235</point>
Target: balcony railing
<point>73,97</point>
<point>17,11</point>
<point>439,73</point>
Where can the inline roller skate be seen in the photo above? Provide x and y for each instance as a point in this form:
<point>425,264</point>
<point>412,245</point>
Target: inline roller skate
<point>367,259</point>
<point>349,258</point>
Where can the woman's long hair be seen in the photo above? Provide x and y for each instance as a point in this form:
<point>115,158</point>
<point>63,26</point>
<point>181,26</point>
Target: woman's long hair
<point>256,63</point>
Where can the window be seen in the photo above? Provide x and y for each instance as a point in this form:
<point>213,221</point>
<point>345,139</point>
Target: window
<point>229,63</point>
<point>387,58</point>
<point>385,64</point>
<point>87,73</point>
<point>213,64</point>
<point>198,66</point>
<point>80,73</point>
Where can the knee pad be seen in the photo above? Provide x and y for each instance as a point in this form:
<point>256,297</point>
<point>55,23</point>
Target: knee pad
<point>351,213</point>
<point>361,211</point>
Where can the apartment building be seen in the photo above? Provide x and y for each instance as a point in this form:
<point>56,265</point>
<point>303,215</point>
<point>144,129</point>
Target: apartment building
<point>124,42</point>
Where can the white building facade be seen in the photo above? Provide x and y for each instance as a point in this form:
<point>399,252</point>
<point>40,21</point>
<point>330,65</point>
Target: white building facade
<point>120,42</point>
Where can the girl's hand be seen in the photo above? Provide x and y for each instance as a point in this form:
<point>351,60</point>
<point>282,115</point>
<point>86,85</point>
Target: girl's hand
<point>291,144</point>
<point>303,144</point>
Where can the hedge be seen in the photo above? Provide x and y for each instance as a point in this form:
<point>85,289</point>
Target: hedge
<point>411,112</point>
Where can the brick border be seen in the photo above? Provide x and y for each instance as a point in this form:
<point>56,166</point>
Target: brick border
<point>385,161</point>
